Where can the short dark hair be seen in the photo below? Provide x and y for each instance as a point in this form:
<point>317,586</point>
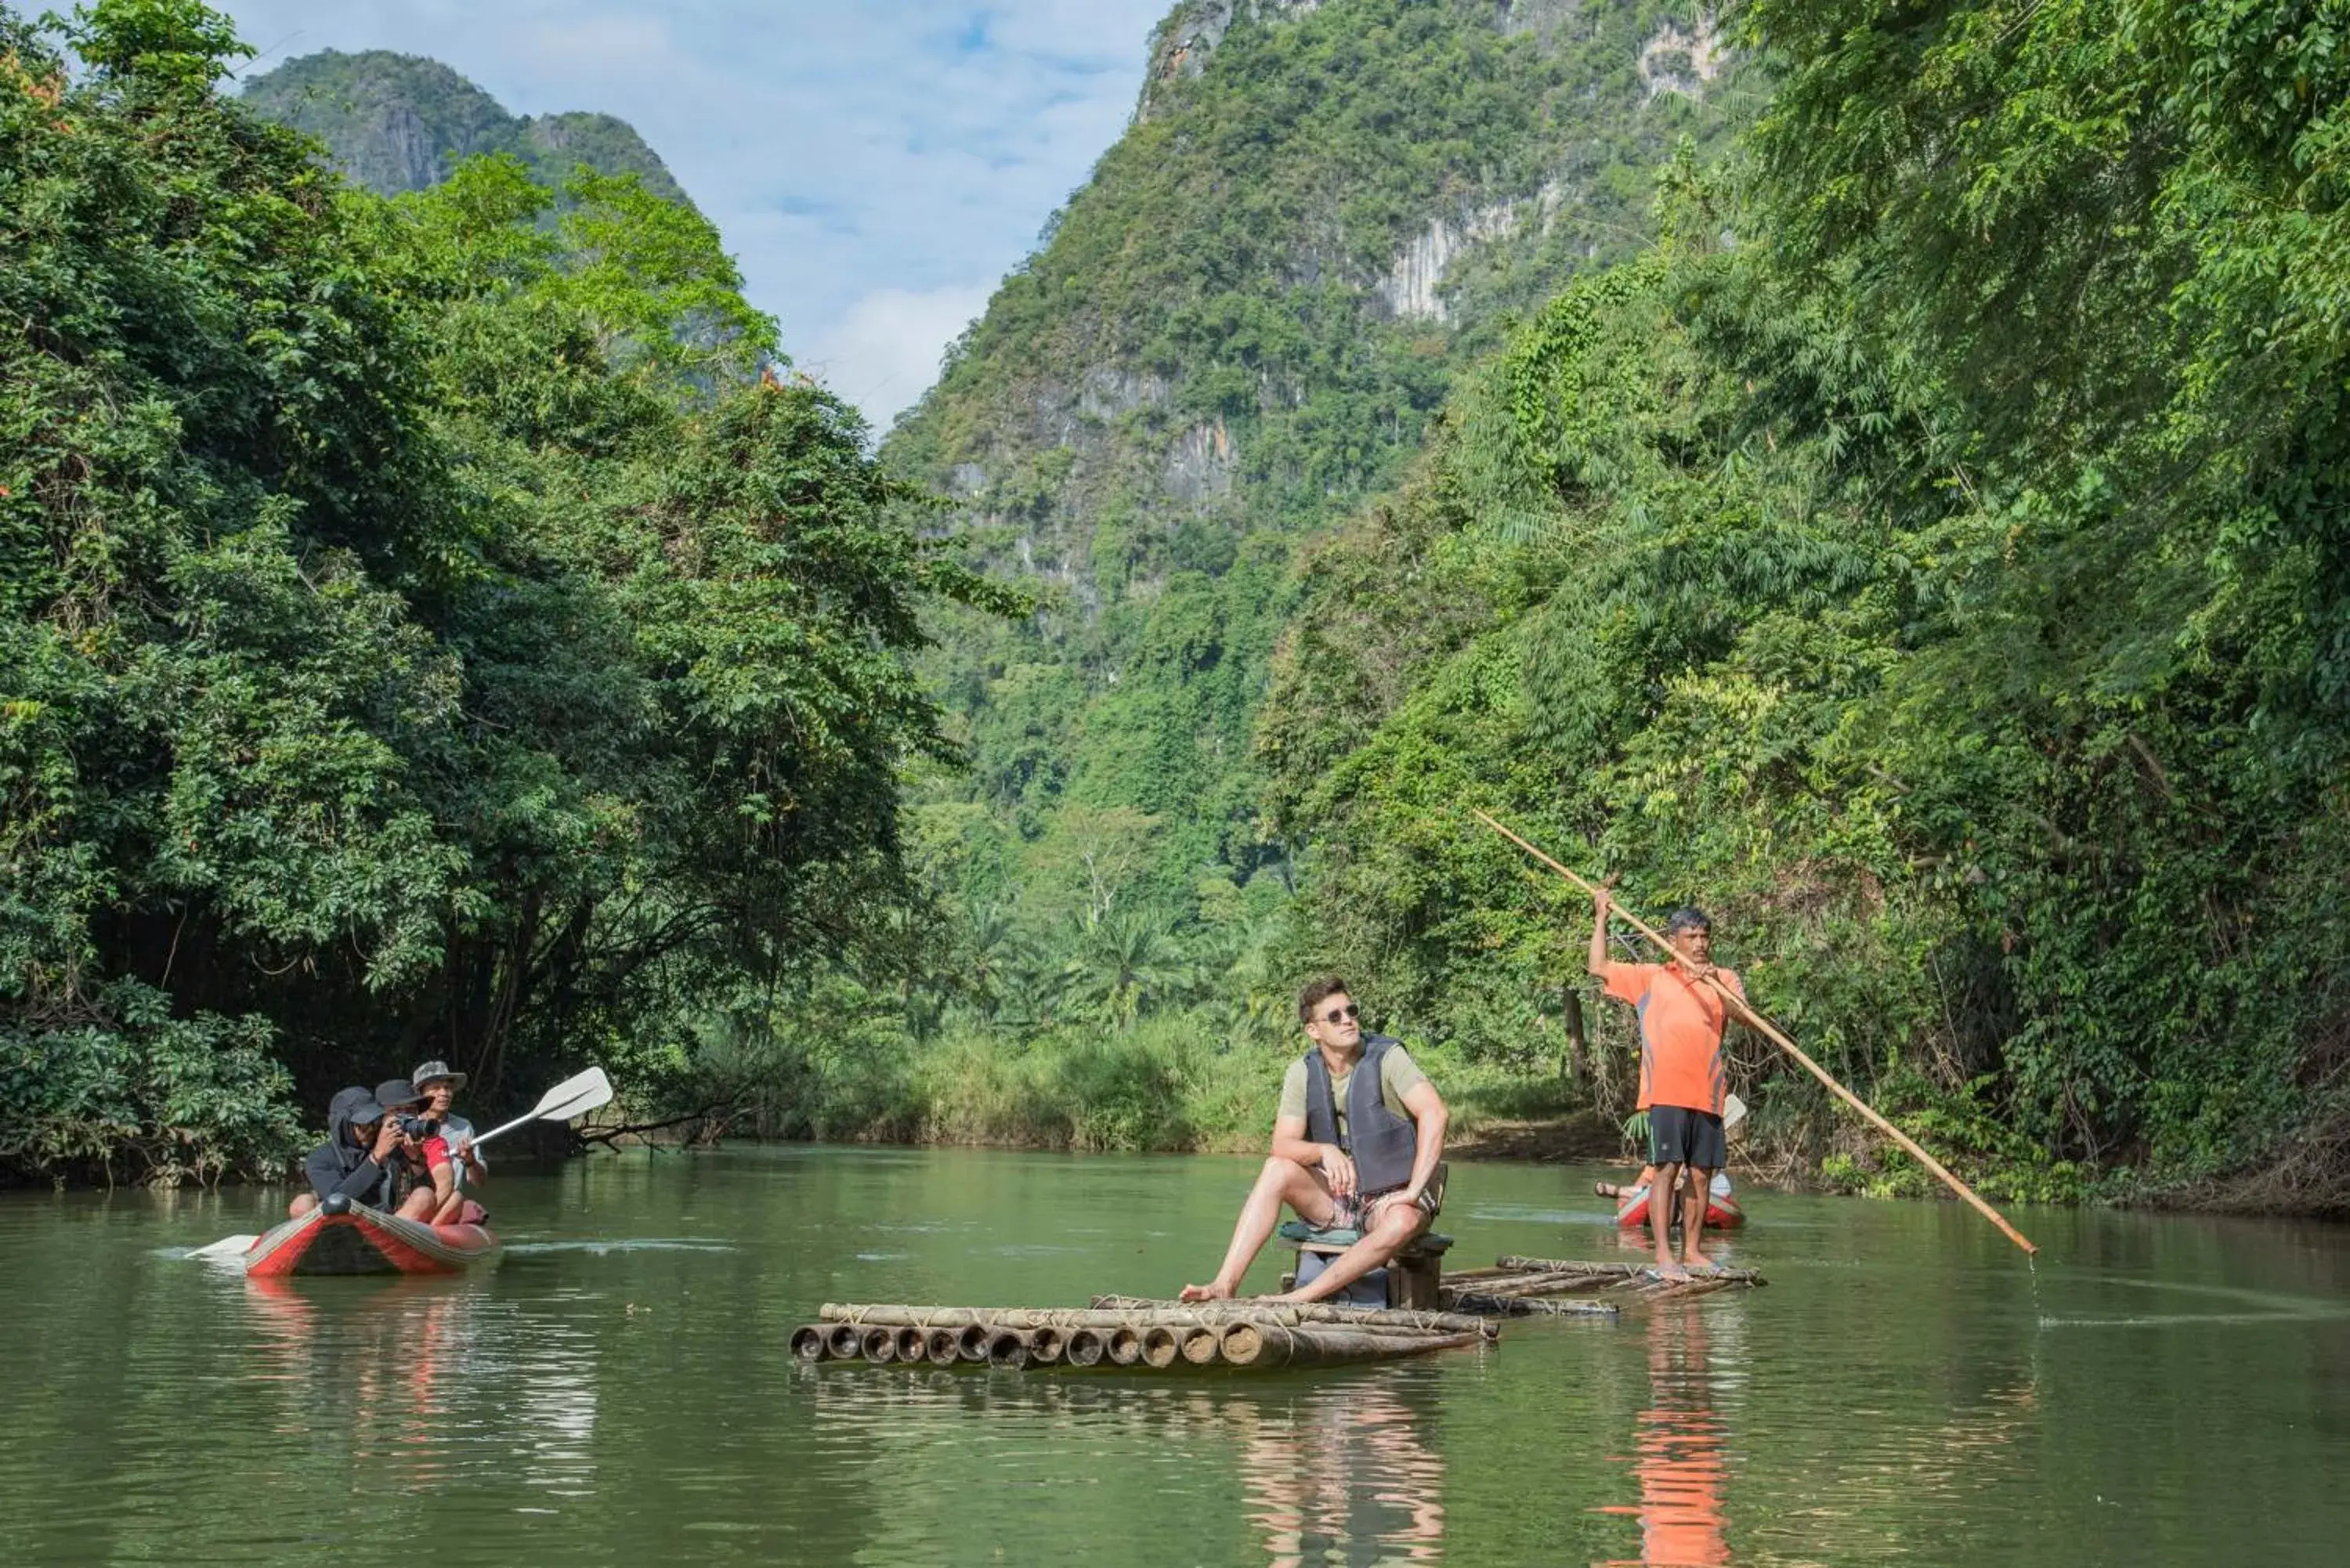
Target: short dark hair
<point>1315,993</point>
<point>1688,918</point>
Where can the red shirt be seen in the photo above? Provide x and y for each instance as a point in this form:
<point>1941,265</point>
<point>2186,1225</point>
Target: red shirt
<point>1680,1032</point>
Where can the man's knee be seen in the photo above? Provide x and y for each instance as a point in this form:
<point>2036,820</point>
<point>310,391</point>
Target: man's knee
<point>303,1203</point>
<point>1280,1171</point>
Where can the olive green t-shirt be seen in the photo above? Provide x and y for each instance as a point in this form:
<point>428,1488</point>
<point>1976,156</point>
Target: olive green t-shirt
<point>1399,1076</point>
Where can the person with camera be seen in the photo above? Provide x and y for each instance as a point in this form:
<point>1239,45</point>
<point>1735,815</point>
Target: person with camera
<point>415,1183</point>
<point>459,1173</point>
<point>363,1157</point>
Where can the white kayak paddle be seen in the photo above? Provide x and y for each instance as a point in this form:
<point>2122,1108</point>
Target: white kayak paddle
<point>575,1097</point>
<point>572,1097</point>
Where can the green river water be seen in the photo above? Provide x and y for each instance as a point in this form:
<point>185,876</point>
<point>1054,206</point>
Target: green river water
<point>2161,1390</point>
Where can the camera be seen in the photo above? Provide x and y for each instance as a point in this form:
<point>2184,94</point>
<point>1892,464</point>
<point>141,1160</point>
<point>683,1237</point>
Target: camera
<point>415,1126</point>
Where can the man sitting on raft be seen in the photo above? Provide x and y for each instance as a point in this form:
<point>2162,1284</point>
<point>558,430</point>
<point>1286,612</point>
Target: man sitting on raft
<point>1683,1077</point>
<point>1355,1144</point>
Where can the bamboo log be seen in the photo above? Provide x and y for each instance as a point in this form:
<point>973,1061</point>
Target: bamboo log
<point>1046,1346</point>
<point>1530,1306</point>
<point>1123,1346</point>
<point>881,1345</point>
<point>1086,1347</point>
<point>1199,1345</point>
<point>913,1345</point>
<point>1162,1345</point>
<point>844,1342</point>
<point>942,1344</point>
<point>1008,1347</point>
<point>970,1345</point>
<point>1292,1313</point>
<point>1770,1031</point>
<point>808,1341</point>
<point>1612,1270</point>
<point>1266,1345</point>
<point>1116,1312</point>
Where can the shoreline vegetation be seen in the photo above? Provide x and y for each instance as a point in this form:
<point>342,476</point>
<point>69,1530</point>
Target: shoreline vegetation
<point>444,625</point>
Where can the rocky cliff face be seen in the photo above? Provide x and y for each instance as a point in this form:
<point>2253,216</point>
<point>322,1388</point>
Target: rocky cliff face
<point>399,122</point>
<point>1239,330</point>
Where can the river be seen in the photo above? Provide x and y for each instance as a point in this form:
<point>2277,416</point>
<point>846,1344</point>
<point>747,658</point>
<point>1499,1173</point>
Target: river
<point>2159,1390</point>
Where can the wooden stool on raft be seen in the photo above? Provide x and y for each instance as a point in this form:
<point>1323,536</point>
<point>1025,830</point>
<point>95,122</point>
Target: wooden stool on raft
<point>1411,1279</point>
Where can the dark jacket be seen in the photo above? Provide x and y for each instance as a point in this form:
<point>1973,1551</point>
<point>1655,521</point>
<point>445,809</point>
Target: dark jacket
<point>338,1164</point>
<point>1382,1145</point>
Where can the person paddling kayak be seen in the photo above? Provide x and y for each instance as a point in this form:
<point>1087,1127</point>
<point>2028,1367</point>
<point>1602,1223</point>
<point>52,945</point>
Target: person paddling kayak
<point>1683,1080</point>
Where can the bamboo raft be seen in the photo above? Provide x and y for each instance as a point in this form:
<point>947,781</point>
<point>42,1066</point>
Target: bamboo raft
<point>1126,1332</point>
<point>1551,1287</point>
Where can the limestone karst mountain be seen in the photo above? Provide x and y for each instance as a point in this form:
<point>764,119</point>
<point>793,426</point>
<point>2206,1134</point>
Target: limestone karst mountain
<point>400,122</point>
<point>1236,332</point>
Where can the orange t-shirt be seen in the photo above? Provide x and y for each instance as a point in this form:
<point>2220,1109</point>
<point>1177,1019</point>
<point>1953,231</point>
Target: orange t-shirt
<point>1680,1032</point>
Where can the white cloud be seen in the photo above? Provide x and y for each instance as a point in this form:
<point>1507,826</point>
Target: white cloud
<point>885,350</point>
<point>873,164</point>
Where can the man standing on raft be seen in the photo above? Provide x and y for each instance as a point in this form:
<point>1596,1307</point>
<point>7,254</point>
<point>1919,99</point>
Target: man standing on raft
<point>1682,1079</point>
<point>1356,1143</point>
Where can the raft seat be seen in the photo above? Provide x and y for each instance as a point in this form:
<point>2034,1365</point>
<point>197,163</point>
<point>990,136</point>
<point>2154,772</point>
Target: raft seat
<point>1413,1279</point>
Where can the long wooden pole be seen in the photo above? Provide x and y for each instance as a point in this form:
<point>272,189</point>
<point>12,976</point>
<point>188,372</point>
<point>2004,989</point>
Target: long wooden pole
<point>1764,1027</point>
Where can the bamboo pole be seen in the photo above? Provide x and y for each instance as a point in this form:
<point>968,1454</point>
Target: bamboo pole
<point>1160,1346</point>
<point>1199,1345</point>
<point>1046,1345</point>
<point>1613,1270</point>
<point>1007,1347</point>
<point>913,1345</point>
<point>881,1345</point>
<point>1531,1307</point>
<point>942,1344</point>
<point>1408,1319</point>
<point>1763,1026</point>
<point>1086,1347</point>
<point>1115,1312</point>
<point>970,1345</point>
<point>1266,1345</point>
<point>1122,1347</point>
<point>808,1342</point>
<point>844,1342</point>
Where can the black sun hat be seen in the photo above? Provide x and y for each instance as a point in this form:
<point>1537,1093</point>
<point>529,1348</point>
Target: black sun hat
<point>397,1094</point>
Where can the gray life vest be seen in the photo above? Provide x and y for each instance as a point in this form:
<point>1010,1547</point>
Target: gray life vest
<point>1381,1144</point>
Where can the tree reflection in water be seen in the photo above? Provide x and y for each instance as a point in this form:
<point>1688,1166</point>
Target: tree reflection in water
<point>1679,1456</point>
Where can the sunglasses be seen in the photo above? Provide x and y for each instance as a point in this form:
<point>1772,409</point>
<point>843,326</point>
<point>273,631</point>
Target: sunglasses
<point>1341,1015</point>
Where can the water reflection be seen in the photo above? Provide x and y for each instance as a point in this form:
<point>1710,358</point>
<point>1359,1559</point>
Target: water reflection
<point>1333,1471</point>
<point>1679,1457</point>
<point>1344,1474</point>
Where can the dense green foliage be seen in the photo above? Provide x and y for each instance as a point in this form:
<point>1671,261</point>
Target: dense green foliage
<point>398,123</point>
<point>1946,583</point>
<point>422,632</point>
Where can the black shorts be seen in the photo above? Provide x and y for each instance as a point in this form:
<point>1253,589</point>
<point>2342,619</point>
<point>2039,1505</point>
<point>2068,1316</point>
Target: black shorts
<point>1679,1136</point>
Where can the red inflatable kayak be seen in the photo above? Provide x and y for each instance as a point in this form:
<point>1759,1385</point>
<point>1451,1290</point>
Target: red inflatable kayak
<point>1722,1213</point>
<point>362,1241</point>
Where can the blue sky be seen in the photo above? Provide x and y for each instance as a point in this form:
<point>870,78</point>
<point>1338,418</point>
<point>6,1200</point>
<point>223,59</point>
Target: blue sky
<point>875,165</point>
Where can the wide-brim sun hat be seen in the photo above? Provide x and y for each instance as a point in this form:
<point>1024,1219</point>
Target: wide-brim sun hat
<point>436,1072</point>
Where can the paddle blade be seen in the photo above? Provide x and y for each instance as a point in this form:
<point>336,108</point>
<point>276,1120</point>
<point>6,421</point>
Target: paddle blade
<point>226,1247</point>
<point>575,1098</point>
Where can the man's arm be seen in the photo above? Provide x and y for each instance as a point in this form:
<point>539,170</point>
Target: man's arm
<point>1428,1117</point>
<point>1290,1143</point>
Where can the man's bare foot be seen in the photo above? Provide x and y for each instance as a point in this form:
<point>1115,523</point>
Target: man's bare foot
<point>1214,1291</point>
<point>1671,1271</point>
<point>1698,1264</point>
<point>1606,1189</point>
